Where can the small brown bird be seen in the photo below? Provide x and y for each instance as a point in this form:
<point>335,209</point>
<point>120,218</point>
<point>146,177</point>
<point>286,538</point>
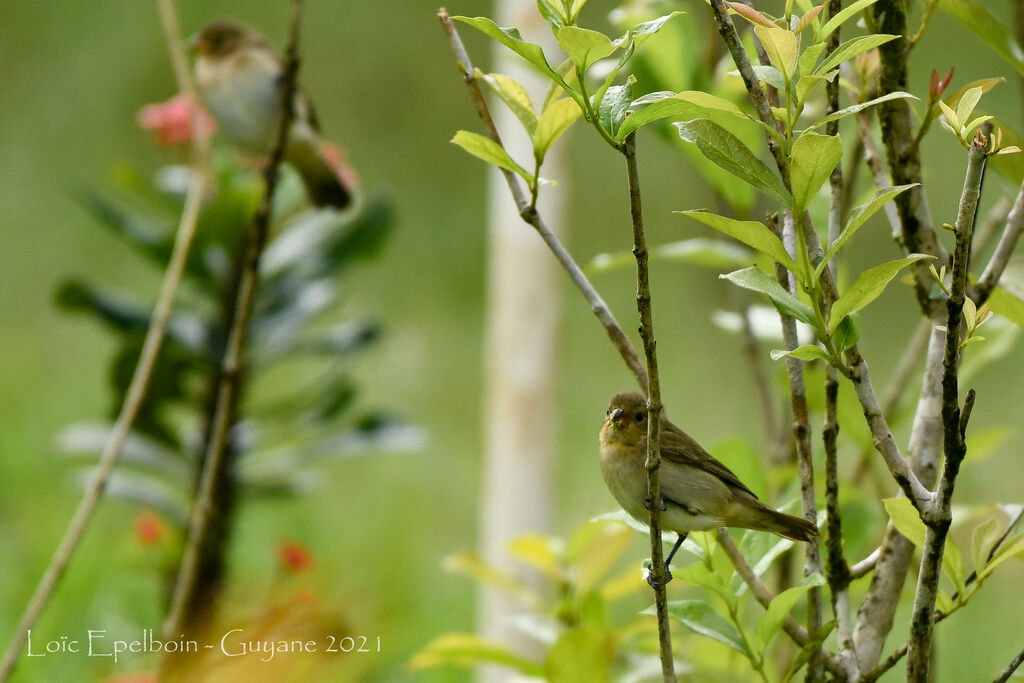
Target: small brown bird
<point>698,492</point>
<point>239,79</point>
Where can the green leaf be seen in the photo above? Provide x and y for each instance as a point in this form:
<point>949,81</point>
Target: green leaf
<point>614,105</point>
<point>699,574</point>
<point>510,38</point>
<point>868,287</point>
<point>851,49</point>
<point>813,159</point>
<point>807,352</point>
<point>782,46</point>
<point>551,14</point>
<point>728,152</point>
<point>906,520</point>
<point>490,151</point>
<point>847,332</point>
<point>1009,550</point>
<point>771,621</point>
<point>759,281</point>
<point>809,57</point>
<point>697,251</point>
<point>812,646</point>
<point>860,107</point>
<point>575,7</point>
<point>859,217</point>
<point>969,100</point>
<point>841,16</point>
<point>979,20</point>
<point>537,551</point>
<point>584,46</point>
<point>751,233</point>
<point>469,650</point>
<point>702,618</point>
<point>766,73</point>
<point>515,97</point>
<point>555,120</point>
<point>982,538</point>
<point>690,103</point>
<point>1007,304</point>
<point>581,655</point>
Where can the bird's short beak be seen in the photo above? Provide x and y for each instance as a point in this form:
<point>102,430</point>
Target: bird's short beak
<point>617,414</point>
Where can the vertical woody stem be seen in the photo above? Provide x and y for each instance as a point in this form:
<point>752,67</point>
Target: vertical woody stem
<point>643,304</point>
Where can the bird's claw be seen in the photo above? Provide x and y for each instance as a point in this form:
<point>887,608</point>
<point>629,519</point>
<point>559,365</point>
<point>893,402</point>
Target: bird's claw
<point>654,583</point>
<point>648,501</point>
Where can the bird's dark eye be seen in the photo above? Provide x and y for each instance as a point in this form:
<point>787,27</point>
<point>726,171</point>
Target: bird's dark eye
<point>639,417</point>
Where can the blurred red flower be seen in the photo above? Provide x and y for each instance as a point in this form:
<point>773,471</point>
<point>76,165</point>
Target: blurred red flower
<point>150,530</point>
<point>294,557</point>
<point>170,121</point>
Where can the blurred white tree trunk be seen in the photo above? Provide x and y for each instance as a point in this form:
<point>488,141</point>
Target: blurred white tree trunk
<point>521,328</point>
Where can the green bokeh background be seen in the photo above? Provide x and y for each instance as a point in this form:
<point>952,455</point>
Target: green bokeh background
<point>73,75</point>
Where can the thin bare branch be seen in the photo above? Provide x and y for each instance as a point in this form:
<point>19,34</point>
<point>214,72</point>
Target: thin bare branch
<point>143,373</point>
<point>923,618</point>
<point>862,568</point>
<point>1004,250</point>
<point>231,365</point>
<point>530,214</point>
<point>1010,668</point>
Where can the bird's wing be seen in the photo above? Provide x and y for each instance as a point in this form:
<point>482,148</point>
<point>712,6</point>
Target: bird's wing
<point>677,446</point>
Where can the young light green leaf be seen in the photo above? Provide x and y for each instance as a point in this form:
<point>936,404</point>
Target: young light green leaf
<point>614,104</point>
<point>1007,304</point>
<point>771,621</point>
<point>847,332</point>
<point>584,46</point>
<point>965,107</point>
<point>841,16</point>
<point>510,38</point>
<point>807,352</point>
<point>868,287</point>
<point>702,618</point>
<point>690,103</point>
<point>581,654</point>
<point>490,151</point>
<point>978,18</point>
<point>575,7</point>
<point>766,73</point>
<point>728,152</point>
<point>782,46</point>
<point>951,117</point>
<point>858,217</point>
<point>853,109</point>
<point>751,233</point>
<point>906,520</point>
<point>851,49</point>
<point>813,159</point>
<point>555,16</point>
<point>943,602</point>
<point>555,120</point>
<point>1010,549</point>
<point>812,646</point>
<point>809,57</point>
<point>982,538</point>
<point>759,281</point>
<point>469,649</point>
<point>515,97</point>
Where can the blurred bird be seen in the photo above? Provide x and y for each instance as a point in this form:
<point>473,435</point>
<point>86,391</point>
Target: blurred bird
<point>239,80</point>
<point>697,491</point>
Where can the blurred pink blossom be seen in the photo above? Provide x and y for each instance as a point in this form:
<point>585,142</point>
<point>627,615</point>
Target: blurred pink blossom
<point>294,557</point>
<point>335,158</point>
<point>170,122</point>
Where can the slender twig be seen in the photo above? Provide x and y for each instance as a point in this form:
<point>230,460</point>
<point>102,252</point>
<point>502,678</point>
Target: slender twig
<point>987,228</point>
<point>232,361</point>
<point>925,18</point>
<point>896,118</point>
<point>653,463</point>
<point>1010,668</point>
<point>530,215</point>
<point>862,568</point>
<point>858,367</point>
<point>764,596</point>
<point>1004,250</point>
<point>923,618</point>
<point>901,651</point>
<point>802,439</point>
<point>143,373</point>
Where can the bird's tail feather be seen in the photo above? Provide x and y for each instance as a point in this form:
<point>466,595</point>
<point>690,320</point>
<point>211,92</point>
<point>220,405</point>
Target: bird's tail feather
<point>322,182</point>
<point>764,518</point>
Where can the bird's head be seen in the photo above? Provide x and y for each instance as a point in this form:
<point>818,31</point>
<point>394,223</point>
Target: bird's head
<point>221,38</point>
<point>626,419</point>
